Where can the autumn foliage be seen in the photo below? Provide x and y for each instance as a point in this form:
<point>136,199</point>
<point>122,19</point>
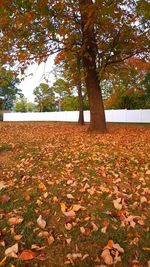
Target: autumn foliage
<point>102,33</point>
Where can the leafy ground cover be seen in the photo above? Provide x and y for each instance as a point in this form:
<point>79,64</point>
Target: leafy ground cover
<point>70,198</point>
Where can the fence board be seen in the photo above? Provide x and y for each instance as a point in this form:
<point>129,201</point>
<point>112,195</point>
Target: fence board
<point>137,116</point>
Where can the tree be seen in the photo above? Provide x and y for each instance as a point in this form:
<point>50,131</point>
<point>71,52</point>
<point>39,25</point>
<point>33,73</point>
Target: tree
<point>8,87</point>
<point>72,103</point>
<point>146,86</point>
<point>62,89</point>
<point>22,105</point>
<point>1,109</point>
<point>127,88</point>
<point>73,71</point>
<point>102,32</point>
<point>45,97</point>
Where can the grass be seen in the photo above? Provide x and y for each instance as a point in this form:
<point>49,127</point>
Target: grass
<point>95,170</point>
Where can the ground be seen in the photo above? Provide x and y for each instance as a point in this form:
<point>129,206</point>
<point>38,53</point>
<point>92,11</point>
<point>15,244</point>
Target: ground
<point>91,191</point>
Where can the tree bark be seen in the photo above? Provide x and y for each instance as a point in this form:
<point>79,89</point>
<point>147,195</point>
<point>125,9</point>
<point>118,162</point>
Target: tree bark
<point>89,50</point>
<point>81,112</point>
<point>80,96</point>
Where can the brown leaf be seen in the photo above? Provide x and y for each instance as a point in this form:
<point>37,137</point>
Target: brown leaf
<point>17,237</point>
<point>5,198</point>
<point>42,187</point>
<point>27,196</point>
<point>15,220</point>
<point>107,257</point>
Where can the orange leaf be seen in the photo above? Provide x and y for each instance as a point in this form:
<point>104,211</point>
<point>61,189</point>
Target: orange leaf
<point>27,255</point>
<point>110,244</point>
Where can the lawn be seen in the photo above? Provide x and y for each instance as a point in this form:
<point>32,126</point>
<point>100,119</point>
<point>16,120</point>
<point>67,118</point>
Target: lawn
<point>66,194</point>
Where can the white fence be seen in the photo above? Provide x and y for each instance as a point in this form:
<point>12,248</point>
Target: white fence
<point>137,116</point>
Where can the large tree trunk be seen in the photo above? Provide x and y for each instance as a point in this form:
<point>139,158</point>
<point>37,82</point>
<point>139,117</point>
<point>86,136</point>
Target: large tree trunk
<point>80,96</point>
<point>89,50</point>
<point>81,112</point>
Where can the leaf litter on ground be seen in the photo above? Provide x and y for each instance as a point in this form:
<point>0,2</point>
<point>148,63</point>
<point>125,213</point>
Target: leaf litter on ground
<point>68,191</point>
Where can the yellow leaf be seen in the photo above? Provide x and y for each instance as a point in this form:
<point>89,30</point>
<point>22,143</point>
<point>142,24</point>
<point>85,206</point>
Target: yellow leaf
<point>146,249</point>
<point>42,187</point>
<point>77,207</point>
<point>3,261</point>
<point>63,207</point>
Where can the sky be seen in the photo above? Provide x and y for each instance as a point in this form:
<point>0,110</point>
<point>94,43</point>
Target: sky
<point>34,76</point>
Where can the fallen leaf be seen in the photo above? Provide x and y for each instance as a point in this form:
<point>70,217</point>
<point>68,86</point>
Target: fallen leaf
<point>110,244</point>
<point>68,241</point>
<point>95,228</point>
<point>136,263</point>
<point>69,196</point>
<point>117,204</point>
<point>2,185</point>
<point>42,187</point>
<point>107,257</point>
<point>91,191</point>
<point>50,240</point>
<point>2,243</point>
<point>27,196</point>
<point>82,230</point>
<point>84,257</point>
<point>68,226</point>
<point>117,246</point>
<point>3,261</point>
<point>45,195</point>
<point>77,207</point>
<point>55,199</point>
<point>5,198</point>
<point>104,229</point>
<point>41,223</point>
<point>74,256</point>
<point>69,213</point>
<point>17,237</point>
<point>12,251</point>
<point>143,199</point>
<point>147,249</point>
<point>15,220</point>
<point>41,257</point>
<point>27,255</point>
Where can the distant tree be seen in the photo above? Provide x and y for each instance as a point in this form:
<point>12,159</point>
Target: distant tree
<point>8,87</point>
<point>44,97</point>
<point>73,72</point>
<point>62,89</point>
<point>31,107</point>
<point>72,103</point>
<point>146,86</point>
<point>22,105</point>
<point>1,109</point>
